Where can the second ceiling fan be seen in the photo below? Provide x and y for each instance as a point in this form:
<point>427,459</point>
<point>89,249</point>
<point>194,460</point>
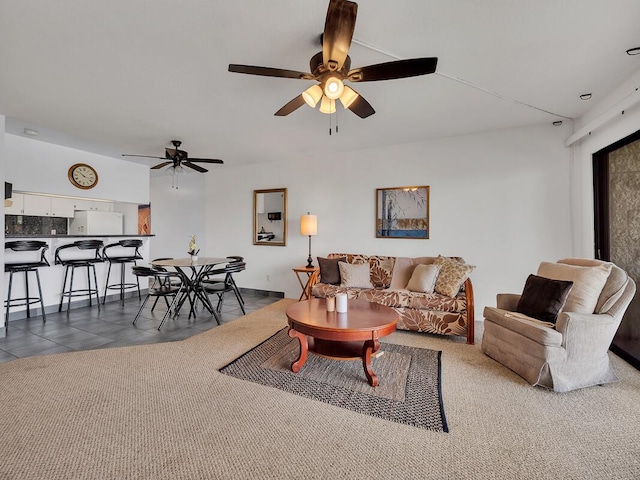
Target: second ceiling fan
<point>176,158</point>
<point>331,67</point>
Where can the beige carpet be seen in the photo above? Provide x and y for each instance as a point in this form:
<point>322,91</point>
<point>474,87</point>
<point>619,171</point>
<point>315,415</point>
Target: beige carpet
<point>164,411</point>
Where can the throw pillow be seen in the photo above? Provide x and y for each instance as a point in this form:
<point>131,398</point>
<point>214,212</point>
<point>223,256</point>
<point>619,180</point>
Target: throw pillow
<point>543,298</point>
<point>355,275</point>
<point>453,273</point>
<point>587,283</point>
<point>424,278</point>
<point>381,270</point>
<point>329,271</point>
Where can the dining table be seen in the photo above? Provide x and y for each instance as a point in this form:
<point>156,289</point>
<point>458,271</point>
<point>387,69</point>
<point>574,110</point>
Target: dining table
<point>192,272</point>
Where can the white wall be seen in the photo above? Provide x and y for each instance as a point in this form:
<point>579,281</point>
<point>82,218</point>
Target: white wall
<point>621,126</point>
<point>176,214</point>
<point>36,166</point>
<point>500,199</point>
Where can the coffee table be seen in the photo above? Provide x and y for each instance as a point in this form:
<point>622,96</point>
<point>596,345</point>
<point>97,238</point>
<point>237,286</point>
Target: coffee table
<point>340,336</point>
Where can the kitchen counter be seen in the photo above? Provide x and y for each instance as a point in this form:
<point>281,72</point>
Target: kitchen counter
<point>52,277</point>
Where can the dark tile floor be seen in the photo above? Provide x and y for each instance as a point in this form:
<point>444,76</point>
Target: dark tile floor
<point>87,328</point>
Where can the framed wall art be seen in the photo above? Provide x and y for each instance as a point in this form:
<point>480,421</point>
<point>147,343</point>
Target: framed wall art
<point>402,212</point>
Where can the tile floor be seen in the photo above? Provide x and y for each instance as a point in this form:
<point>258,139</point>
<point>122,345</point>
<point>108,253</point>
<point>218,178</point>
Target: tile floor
<point>87,328</point>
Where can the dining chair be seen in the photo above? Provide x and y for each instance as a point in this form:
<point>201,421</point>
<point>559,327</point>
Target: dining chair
<point>211,285</point>
<point>162,286</point>
<point>211,279</point>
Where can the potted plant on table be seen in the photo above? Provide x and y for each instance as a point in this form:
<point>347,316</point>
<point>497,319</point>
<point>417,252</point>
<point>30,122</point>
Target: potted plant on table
<point>193,249</point>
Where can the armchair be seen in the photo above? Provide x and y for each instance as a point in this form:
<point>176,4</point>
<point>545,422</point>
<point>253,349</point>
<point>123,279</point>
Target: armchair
<point>566,356</point>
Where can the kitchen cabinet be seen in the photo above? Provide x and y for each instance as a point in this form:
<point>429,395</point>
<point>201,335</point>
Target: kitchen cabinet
<point>81,204</point>
<point>92,205</point>
<point>43,206</point>
<point>18,205</point>
<point>53,206</point>
<point>102,206</point>
<point>37,205</point>
<point>61,207</point>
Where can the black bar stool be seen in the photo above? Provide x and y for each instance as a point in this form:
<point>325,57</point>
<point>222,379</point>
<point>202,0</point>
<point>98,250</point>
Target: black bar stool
<point>86,254</point>
<point>25,263</point>
<point>121,253</point>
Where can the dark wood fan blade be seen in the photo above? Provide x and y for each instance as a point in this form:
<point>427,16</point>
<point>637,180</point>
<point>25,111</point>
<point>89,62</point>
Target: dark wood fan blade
<point>145,156</point>
<point>392,70</point>
<point>206,160</point>
<point>160,165</point>
<point>361,107</point>
<point>171,152</point>
<point>293,105</point>
<point>197,168</point>
<point>338,32</point>
<point>269,72</point>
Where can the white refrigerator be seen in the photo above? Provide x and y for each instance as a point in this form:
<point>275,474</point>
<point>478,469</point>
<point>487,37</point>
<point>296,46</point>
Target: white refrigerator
<point>87,222</point>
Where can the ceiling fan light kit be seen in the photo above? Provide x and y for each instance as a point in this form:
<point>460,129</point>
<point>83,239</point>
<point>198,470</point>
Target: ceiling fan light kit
<point>333,87</point>
<point>332,66</point>
<point>348,97</point>
<point>312,95</point>
<point>327,105</point>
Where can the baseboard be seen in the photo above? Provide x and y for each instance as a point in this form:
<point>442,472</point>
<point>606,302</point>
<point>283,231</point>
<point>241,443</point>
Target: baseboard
<point>262,293</point>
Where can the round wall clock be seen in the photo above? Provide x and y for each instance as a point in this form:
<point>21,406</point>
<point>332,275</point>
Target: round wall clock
<point>83,176</point>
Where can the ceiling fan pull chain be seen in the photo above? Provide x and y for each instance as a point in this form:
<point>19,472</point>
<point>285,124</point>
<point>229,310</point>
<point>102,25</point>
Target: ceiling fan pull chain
<point>334,106</point>
<point>329,123</point>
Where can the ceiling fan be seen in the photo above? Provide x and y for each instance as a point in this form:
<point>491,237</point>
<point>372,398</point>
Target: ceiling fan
<point>331,67</point>
<point>177,158</point>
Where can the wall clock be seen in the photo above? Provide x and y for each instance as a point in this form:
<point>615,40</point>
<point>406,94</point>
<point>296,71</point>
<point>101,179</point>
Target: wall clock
<point>83,176</point>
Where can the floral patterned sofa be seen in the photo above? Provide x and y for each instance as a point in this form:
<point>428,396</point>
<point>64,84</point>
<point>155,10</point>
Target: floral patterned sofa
<point>418,311</point>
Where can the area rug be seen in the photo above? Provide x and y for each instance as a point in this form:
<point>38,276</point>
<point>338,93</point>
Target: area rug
<point>409,389</point>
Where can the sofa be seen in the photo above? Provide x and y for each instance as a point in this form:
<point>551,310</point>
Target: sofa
<point>420,308</point>
<point>557,333</point>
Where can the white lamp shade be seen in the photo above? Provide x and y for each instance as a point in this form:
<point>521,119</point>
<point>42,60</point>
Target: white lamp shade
<point>327,105</point>
<point>308,225</point>
<point>312,95</point>
<point>333,88</point>
<point>348,96</point>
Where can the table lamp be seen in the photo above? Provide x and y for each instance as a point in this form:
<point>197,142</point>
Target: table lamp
<point>309,226</point>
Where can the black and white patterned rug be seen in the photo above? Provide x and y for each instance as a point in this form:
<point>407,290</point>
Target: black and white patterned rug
<point>409,389</point>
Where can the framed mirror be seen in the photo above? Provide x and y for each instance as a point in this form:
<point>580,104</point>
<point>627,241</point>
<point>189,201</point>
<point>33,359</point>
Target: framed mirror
<point>270,217</point>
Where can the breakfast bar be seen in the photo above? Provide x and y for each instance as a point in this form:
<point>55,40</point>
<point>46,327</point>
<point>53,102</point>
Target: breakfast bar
<point>52,276</point>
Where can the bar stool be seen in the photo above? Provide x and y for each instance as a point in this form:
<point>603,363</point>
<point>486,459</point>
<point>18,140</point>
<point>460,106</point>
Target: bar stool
<point>121,253</point>
<point>81,257</point>
<point>25,263</point>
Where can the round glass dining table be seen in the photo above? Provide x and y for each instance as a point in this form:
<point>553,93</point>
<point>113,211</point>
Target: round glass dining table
<point>192,273</point>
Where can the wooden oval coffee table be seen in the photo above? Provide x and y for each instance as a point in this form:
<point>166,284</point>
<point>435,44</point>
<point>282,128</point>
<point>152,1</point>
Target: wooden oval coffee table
<point>340,336</point>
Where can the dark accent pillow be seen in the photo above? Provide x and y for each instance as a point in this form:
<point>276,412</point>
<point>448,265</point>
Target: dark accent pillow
<point>329,270</point>
<point>543,298</point>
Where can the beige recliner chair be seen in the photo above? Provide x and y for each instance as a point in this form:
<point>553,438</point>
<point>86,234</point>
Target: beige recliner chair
<point>573,353</point>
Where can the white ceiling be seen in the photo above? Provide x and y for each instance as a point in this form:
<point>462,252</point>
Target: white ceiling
<point>127,76</point>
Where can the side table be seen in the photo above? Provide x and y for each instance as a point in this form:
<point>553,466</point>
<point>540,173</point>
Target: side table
<point>308,282</point>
